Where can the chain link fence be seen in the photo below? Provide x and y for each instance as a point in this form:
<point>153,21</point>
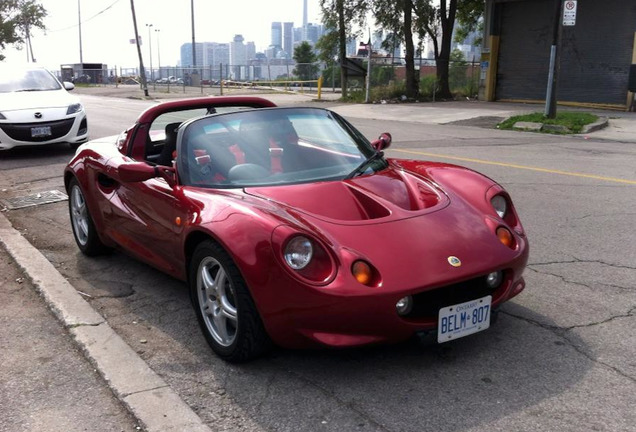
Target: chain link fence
<point>387,77</point>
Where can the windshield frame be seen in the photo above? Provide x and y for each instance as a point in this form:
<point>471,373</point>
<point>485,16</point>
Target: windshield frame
<point>363,149</point>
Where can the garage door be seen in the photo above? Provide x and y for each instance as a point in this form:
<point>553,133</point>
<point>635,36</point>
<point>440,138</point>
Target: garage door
<point>595,54</point>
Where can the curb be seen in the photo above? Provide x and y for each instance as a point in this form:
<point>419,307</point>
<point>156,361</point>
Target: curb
<point>144,393</point>
<point>601,123</point>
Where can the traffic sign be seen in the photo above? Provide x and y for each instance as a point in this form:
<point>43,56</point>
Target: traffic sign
<point>569,13</point>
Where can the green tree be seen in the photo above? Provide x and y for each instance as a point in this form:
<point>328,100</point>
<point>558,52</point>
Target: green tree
<point>469,19</point>
<point>343,16</point>
<point>397,17</point>
<point>438,21</point>
<point>306,67</point>
<point>17,18</point>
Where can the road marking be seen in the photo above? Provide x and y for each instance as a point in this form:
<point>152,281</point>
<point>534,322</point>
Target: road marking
<point>523,167</point>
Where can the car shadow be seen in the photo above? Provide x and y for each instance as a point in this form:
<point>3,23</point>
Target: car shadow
<point>413,386</point>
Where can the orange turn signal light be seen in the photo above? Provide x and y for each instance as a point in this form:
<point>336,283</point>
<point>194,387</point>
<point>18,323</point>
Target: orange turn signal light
<point>362,272</point>
<point>505,236</point>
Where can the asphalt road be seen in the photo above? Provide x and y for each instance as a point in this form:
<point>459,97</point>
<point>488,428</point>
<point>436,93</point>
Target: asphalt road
<point>560,358</point>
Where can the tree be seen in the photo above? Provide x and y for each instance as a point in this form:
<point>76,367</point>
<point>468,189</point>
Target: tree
<point>306,67</point>
<point>17,18</point>
<point>343,16</point>
<point>436,21</point>
<point>397,16</point>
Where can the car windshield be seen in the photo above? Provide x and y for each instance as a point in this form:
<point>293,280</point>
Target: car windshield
<point>28,80</point>
<point>273,146</point>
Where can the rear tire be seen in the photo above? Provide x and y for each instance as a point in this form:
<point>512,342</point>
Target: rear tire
<point>224,307</point>
<point>84,230</point>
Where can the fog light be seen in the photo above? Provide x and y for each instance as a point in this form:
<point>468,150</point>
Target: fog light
<point>404,305</point>
<point>493,280</point>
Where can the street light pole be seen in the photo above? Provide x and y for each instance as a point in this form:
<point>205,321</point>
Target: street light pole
<point>150,49</point>
<point>194,53</point>
<point>158,52</point>
<point>79,24</point>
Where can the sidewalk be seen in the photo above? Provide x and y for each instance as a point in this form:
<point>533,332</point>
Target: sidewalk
<point>46,384</point>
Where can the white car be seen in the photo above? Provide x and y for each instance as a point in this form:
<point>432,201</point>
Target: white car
<point>36,109</point>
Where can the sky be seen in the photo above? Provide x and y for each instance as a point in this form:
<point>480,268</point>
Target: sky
<point>107,28</point>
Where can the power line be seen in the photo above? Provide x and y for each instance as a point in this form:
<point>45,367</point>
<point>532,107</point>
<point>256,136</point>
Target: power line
<point>86,20</point>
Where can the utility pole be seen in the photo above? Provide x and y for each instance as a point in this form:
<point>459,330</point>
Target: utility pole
<point>142,72</point>
<point>158,52</point>
<point>370,49</point>
<point>79,25</point>
<point>194,52</point>
<point>553,74</point>
<point>150,49</point>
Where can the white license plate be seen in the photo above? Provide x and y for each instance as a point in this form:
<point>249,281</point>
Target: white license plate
<point>463,319</point>
<point>40,131</point>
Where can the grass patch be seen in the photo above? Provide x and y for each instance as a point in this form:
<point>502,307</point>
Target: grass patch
<point>571,120</point>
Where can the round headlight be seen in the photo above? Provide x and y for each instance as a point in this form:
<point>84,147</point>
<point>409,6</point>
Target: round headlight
<point>298,252</point>
<point>500,205</point>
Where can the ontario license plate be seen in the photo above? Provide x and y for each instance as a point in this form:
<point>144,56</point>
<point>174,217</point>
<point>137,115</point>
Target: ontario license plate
<point>463,319</point>
<point>40,131</point>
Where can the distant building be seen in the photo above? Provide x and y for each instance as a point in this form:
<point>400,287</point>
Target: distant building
<point>298,35</point>
<point>313,33</point>
<point>288,38</point>
<point>250,50</point>
<point>209,54</point>
<point>238,58</point>
<point>277,35</point>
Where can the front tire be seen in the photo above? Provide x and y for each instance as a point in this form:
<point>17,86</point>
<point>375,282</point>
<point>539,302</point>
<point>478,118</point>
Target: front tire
<point>84,230</point>
<point>224,307</point>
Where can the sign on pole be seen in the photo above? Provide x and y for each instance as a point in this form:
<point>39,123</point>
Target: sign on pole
<point>569,13</point>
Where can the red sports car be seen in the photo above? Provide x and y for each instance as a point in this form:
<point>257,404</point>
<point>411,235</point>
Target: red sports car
<point>291,227</point>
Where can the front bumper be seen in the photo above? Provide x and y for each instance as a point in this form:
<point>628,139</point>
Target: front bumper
<point>338,321</point>
<point>73,130</point>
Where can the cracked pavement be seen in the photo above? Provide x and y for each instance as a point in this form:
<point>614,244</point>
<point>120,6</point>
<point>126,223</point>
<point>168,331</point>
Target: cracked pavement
<point>560,358</point>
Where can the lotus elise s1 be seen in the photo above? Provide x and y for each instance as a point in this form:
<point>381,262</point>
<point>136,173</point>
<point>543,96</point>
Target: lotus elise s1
<point>291,228</point>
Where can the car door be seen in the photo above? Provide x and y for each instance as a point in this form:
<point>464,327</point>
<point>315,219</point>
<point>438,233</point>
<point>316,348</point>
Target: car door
<point>149,223</point>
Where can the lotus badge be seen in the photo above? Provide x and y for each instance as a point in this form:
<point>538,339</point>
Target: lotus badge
<point>454,261</point>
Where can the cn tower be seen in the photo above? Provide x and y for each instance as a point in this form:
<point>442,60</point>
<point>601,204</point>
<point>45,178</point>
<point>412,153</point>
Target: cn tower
<point>304,19</point>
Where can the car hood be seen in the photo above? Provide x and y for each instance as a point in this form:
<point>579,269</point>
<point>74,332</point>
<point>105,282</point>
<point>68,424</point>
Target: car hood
<point>15,101</point>
<point>403,223</point>
<point>389,195</point>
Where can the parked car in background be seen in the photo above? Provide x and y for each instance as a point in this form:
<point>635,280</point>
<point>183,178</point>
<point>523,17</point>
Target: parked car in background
<point>36,109</point>
<point>291,227</point>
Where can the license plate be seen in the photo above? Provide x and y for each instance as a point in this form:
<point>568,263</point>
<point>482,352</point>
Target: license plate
<point>40,131</point>
<point>463,319</point>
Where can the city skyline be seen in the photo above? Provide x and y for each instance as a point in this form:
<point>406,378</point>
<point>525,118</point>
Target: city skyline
<point>107,30</point>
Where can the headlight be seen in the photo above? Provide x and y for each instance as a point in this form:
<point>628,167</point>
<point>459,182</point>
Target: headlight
<point>500,205</point>
<point>2,117</point>
<point>75,108</point>
<point>298,252</point>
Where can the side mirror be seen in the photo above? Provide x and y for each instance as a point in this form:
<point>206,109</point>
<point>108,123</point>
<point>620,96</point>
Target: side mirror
<point>68,86</point>
<point>383,141</point>
<point>137,172</point>
<point>140,171</point>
